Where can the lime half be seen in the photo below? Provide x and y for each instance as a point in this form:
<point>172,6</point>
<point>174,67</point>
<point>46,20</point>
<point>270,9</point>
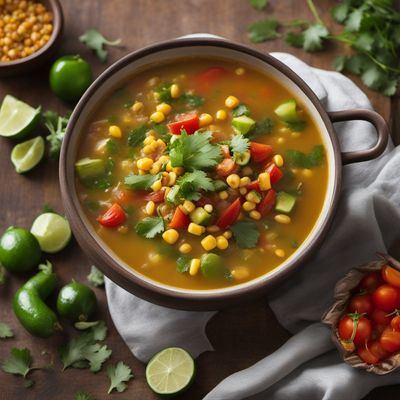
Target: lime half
<point>27,155</point>
<point>52,232</point>
<point>170,371</point>
<point>17,118</point>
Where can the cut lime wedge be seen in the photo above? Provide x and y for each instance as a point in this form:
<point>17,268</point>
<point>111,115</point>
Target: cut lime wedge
<point>52,232</point>
<point>27,155</point>
<point>17,118</point>
<point>170,371</point>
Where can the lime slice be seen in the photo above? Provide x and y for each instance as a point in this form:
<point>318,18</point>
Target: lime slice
<point>17,118</point>
<point>52,232</point>
<point>27,155</point>
<point>170,371</point>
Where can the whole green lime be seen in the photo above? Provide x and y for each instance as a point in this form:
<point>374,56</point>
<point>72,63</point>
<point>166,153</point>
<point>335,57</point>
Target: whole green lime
<point>70,76</point>
<point>76,302</point>
<point>19,250</point>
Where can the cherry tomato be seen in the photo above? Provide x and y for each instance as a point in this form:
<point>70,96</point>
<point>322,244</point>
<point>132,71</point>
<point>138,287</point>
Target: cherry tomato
<point>260,152</point>
<point>113,217</point>
<point>370,281</point>
<point>157,197</point>
<point>391,276</point>
<point>395,323</point>
<point>180,220</point>
<point>230,215</point>
<point>361,326</point>
<point>377,349</point>
<point>361,303</point>
<point>390,341</point>
<point>367,356</point>
<point>380,317</point>
<point>226,167</point>
<point>189,123</point>
<point>385,297</point>
<point>253,186</point>
<point>267,203</point>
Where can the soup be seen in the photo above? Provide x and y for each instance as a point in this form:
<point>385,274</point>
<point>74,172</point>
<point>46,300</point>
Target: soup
<point>201,174</point>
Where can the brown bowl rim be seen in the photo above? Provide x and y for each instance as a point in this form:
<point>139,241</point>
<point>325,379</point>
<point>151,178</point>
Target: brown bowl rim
<point>58,22</point>
<point>151,291</point>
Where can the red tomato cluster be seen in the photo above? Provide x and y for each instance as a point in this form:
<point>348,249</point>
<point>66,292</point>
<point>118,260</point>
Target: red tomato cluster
<point>372,325</point>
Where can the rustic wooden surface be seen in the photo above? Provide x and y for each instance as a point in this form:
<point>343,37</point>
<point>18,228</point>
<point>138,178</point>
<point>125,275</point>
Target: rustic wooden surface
<point>241,336</point>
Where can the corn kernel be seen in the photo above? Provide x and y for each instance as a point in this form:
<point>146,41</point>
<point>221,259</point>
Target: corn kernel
<point>147,150</point>
<point>212,229</point>
<point>284,129</point>
<point>233,181</point>
<point>307,172</point>
<point>244,181</point>
<point>161,143</point>
<point>164,108</point>
<point>185,248</point>
<point>240,71</point>
<point>123,229</point>
<point>196,229</point>
<point>280,253</point>
<point>227,234</point>
<point>242,191</point>
<point>205,119</point>
<point>137,106</point>
<point>168,167</point>
<point>240,273</point>
<point>264,181</point>
<point>231,101</point>
<point>155,169</point>
<point>155,258</point>
<point>175,91</point>
<point>145,163</point>
<point>188,206</point>
<point>223,195</point>
<point>248,206</point>
<point>115,131</point>
<point>222,243</point>
<point>178,170</point>
<point>209,243</point>
<point>166,191</point>
<point>282,219</point>
<point>221,115</point>
<point>150,208</point>
<point>255,215</point>
<point>149,140</point>
<point>281,140</point>
<point>253,197</point>
<point>141,172</point>
<point>278,160</point>
<point>195,264</point>
<point>271,236</point>
<point>247,171</point>
<point>296,134</point>
<point>157,117</point>
<point>156,186</point>
<point>209,208</point>
<point>171,178</point>
<point>170,236</point>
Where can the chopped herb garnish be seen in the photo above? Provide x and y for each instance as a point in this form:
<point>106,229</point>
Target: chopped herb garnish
<point>95,277</point>
<point>262,127</point>
<point>239,144</point>
<point>246,234</point>
<point>140,182</point>
<point>192,182</point>
<point>302,160</point>
<point>294,244</point>
<point>192,100</point>
<point>111,146</point>
<point>119,375</point>
<point>95,41</point>
<point>311,39</point>
<point>19,363</point>
<point>150,227</point>
<point>263,30</point>
<point>219,185</point>
<point>164,92</point>
<point>56,124</point>
<point>137,135</point>
<point>296,126</point>
<point>183,264</point>
<point>241,109</point>
<point>104,181</point>
<point>164,249</point>
<point>5,331</point>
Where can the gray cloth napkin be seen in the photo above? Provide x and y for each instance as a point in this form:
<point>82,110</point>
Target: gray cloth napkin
<point>307,366</point>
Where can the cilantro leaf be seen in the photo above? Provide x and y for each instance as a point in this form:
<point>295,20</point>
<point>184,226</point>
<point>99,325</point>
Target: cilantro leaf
<point>259,4</point>
<point>295,39</point>
<point>19,363</point>
<point>95,277</point>
<point>183,264</point>
<point>264,126</point>
<point>192,182</point>
<point>119,375</point>
<point>303,160</point>
<point>239,144</point>
<point>99,331</point>
<point>263,30</point>
<point>84,396</point>
<point>340,12</point>
<point>5,331</point>
<point>95,41</point>
<point>354,19</point>
<point>245,234</point>
<point>296,126</point>
<point>111,146</point>
<point>194,151</point>
<point>72,351</point>
<point>314,36</point>
<point>57,125</point>
<point>164,92</point>
<point>137,135</point>
<point>241,109</point>
<point>140,182</point>
<point>191,100</point>
<point>96,354</point>
<point>150,227</point>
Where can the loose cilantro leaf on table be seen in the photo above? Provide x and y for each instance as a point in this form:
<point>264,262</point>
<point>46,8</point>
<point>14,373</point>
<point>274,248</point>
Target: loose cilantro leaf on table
<point>194,151</point>
<point>239,144</point>
<point>302,160</point>
<point>137,135</point>
<point>140,182</point>
<point>150,227</point>
<point>19,363</point>
<point>241,109</point>
<point>263,30</point>
<point>95,41</point>
<point>245,234</point>
<point>183,264</point>
<point>95,277</point>
<point>119,375</point>
<point>56,124</point>
<point>5,331</point>
<point>84,396</point>
<point>259,4</point>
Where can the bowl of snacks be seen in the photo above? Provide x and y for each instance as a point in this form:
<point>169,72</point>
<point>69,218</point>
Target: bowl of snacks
<point>30,31</point>
<point>365,318</point>
<point>198,172</point>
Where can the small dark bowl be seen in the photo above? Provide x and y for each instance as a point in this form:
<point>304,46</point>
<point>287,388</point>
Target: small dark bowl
<point>38,58</point>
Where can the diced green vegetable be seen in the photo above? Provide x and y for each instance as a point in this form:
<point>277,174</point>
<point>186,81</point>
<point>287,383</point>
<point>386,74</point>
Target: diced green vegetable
<point>88,168</point>
<point>255,195</point>
<point>219,185</point>
<point>212,266</point>
<point>200,216</point>
<point>243,124</point>
<point>287,111</point>
<point>285,202</point>
<point>242,158</point>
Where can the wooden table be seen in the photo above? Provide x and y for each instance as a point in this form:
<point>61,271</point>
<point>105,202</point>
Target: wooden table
<point>241,336</point>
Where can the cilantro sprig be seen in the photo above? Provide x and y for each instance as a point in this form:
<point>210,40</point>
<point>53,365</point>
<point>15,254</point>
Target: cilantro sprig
<point>95,277</point>
<point>150,227</point>
<point>57,125</point>
<point>95,41</point>
<point>245,234</point>
<point>306,160</point>
<point>5,331</point>
<point>120,374</point>
<point>19,363</point>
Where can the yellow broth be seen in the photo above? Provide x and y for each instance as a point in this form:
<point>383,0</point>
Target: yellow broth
<point>155,258</point>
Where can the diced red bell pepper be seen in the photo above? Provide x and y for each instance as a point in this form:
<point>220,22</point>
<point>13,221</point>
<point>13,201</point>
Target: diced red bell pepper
<point>267,203</point>
<point>204,80</point>
<point>189,123</point>
<point>230,215</point>
<point>226,167</point>
<point>113,217</point>
<point>180,220</point>
<point>260,152</point>
<point>225,151</point>
<point>157,197</point>
<point>254,185</point>
<point>275,173</point>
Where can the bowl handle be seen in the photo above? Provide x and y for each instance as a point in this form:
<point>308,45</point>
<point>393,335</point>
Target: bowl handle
<point>365,115</point>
